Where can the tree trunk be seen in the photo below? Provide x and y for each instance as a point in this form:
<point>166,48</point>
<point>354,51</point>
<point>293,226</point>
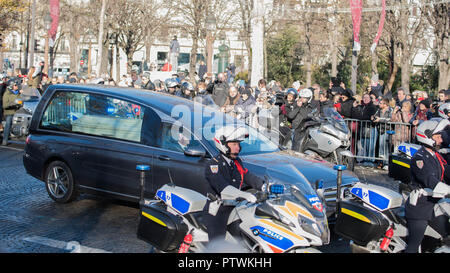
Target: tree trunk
<point>100,38</point>
<point>374,63</point>
<point>117,63</point>
<point>406,74</point>
<point>444,71</point>
<point>392,77</point>
<point>129,61</point>
<point>308,71</point>
<point>193,59</point>
<point>334,53</point>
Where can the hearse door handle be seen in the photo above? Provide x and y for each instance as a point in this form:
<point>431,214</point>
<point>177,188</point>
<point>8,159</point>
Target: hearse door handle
<point>164,158</point>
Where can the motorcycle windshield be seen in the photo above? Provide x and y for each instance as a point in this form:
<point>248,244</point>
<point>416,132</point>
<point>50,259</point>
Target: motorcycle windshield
<point>301,193</point>
<point>336,119</point>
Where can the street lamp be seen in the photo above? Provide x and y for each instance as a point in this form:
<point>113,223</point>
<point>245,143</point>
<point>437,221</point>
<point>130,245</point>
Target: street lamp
<point>112,41</point>
<point>210,25</point>
<point>90,37</point>
<point>48,24</point>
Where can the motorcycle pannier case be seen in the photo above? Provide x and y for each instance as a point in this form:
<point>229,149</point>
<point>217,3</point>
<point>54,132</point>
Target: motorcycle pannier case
<point>399,168</point>
<point>359,224</point>
<point>160,228</point>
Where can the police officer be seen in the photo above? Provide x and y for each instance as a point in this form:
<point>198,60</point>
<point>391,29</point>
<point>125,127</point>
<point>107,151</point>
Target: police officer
<point>172,86</point>
<point>287,115</point>
<point>227,176</point>
<point>187,91</point>
<point>427,171</point>
<point>306,106</point>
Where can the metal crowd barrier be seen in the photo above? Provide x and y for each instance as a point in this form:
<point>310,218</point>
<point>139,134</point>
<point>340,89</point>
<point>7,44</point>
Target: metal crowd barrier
<point>372,141</point>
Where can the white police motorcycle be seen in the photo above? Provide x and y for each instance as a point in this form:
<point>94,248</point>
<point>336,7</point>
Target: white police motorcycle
<point>329,137</point>
<point>372,218</point>
<point>291,221</point>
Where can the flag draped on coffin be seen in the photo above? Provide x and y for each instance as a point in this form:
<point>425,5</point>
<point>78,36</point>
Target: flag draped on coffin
<point>356,8</point>
<point>54,13</point>
<point>380,26</point>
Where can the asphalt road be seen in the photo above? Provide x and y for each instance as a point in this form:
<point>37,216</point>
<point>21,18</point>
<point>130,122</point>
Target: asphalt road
<point>30,222</point>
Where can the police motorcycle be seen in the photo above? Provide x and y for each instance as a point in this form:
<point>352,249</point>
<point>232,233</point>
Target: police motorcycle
<point>328,137</point>
<point>283,219</point>
<point>372,217</point>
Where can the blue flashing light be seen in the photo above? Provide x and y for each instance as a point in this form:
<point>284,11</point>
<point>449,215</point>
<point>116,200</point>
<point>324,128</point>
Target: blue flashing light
<point>277,189</point>
<point>340,167</point>
<point>142,167</point>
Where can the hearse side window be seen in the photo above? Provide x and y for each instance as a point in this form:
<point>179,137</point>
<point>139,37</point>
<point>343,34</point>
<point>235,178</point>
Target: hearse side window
<point>94,114</point>
<point>175,139</point>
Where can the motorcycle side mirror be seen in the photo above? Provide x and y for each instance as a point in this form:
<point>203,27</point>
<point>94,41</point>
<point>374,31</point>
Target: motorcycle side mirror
<point>195,151</point>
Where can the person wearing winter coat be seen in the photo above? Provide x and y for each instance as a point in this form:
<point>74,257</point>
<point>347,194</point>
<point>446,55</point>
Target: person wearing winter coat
<point>381,118</point>
<point>364,111</point>
<point>232,99</point>
<point>9,108</point>
<point>245,105</point>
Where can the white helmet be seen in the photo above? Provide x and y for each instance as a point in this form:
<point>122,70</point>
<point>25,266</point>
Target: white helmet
<point>444,110</point>
<point>428,128</point>
<point>306,93</point>
<point>229,133</point>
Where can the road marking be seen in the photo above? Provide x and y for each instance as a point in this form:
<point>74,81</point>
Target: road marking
<point>72,246</point>
<point>11,148</point>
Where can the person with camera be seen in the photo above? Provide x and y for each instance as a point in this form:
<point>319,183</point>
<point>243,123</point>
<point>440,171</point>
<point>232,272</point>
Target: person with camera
<point>10,107</point>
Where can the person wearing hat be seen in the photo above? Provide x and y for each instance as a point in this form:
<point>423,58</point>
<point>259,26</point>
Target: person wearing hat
<point>347,102</point>
<point>245,104</point>
<point>428,170</point>
<point>335,86</point>
<point>422,113</point>
<point>9,108</point>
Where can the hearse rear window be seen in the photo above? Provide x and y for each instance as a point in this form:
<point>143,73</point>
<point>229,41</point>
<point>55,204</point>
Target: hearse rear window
<point>94,115</point>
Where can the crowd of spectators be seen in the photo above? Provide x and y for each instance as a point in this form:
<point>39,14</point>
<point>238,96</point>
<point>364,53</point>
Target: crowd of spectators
<point>369,116</point>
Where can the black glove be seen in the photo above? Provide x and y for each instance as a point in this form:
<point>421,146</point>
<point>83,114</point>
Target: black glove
<point>261,196</point>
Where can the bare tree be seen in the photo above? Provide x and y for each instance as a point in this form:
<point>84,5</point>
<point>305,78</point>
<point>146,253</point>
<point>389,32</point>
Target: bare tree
<point>191,20</point>
<point>438,17</point>
<point>77,18</point>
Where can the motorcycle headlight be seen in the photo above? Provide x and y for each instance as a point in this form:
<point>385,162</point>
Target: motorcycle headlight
<point>319,228</point>
<point>309,225</point>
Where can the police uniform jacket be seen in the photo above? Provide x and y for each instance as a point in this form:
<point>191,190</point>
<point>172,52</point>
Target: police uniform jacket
<point>222,172</point>
<point>426,172</point>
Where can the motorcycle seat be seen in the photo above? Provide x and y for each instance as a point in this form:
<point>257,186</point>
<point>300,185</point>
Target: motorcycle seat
<point>397,215</point>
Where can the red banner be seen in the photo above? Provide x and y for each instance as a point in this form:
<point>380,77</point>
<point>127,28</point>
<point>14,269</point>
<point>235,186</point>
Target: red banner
<point>356,8</point>
<point>54,13</point>
<point>380,26</point>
